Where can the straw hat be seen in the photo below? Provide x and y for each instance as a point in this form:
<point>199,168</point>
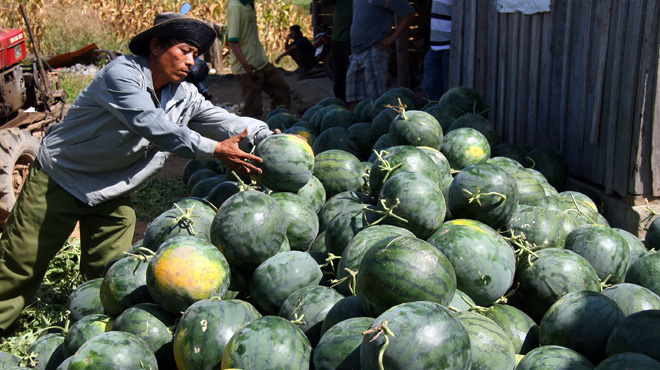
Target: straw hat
<point>178,26</point>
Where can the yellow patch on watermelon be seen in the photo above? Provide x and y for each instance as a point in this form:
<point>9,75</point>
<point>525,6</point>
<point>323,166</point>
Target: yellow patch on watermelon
<point>466,222</point>
<point>185,269</point>
<point>475,151</point>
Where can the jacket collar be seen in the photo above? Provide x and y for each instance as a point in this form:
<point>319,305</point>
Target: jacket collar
<point>174,91</point>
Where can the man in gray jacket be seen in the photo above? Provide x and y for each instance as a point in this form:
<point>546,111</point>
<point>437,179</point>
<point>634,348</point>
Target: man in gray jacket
<point>117,134</point>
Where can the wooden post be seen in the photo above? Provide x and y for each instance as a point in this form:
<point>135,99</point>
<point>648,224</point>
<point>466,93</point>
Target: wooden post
<point>214,54</point>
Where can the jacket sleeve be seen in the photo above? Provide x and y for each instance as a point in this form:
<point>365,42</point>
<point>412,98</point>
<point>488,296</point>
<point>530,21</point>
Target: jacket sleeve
<point>122,94</point>
<point>218,124</point>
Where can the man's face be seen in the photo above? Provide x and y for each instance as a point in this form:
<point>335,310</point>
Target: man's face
<point>175,60</point>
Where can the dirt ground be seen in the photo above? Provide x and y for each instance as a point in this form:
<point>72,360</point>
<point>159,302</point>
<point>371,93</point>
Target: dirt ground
<point>225,92</point>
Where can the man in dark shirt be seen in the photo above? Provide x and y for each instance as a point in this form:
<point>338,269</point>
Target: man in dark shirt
<point>299,48</point>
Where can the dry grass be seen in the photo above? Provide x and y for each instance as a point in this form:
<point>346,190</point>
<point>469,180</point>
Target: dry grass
<point>67,25</point>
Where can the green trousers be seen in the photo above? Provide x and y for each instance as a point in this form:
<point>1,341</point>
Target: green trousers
<point>41,221</point>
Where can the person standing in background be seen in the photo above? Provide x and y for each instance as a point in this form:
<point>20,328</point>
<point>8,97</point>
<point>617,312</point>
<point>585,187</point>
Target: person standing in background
<point>341,43</point>
<point>371,39</point>
<point>436,61</point>
<point>249,63</point>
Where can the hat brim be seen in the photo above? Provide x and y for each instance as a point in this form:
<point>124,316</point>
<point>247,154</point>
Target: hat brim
<point>189,30</point>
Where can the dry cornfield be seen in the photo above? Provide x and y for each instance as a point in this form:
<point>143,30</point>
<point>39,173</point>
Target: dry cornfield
<point>66,25</point>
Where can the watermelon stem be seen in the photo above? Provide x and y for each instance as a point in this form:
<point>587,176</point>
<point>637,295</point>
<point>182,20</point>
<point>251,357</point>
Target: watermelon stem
<point>401,108</point>
<point>298,320</point>
<point>524,248</point>
<point>351,285</point>
<point>478,194</point>
<point>186,218</point>
<point>604,284</point>
<point>647,220</point>
<point>386,213</point>
<point>330,261</point>
<point>579,211</point>
<point>242,186</point>
<point>380,329</point>
<point>385,165</point>
<point>474,109</point>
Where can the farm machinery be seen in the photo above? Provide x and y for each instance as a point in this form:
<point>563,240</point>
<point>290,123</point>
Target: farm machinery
<point>31,99</point>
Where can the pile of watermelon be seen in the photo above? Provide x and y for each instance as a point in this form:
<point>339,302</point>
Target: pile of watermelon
<point>394,236</point>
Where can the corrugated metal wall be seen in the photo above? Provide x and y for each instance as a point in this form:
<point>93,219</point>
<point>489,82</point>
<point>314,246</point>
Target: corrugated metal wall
<point>582,78</point>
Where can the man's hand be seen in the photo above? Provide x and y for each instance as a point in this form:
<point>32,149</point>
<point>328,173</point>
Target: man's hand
<point>386,41</point>
<point>234,158</point>
<point>252,71</point>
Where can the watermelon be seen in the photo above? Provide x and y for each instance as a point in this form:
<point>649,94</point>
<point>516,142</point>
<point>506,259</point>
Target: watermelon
<point>358,245</point>
<point>482,260</point>
<point>632,298</point>
<point>204,187</point>
<point>467,99</point>
<point>288,162</point>
<point>180,220</point>
<point>582,321</point>
<point>281,121</point>
<point>340,117</point>
<point>198,176</point>
<point>517,325</point>
<point>331,100</point>
<point>319,243</point>
<point>339,348</point>
<point>46,352</point>
<point>153,324</point>
<point>184,270</point>
<point>550,275</point>
<point>194,165</point>
<point>396,97</point>
<point>491,347</point>
<point>382,143</point>
<point>114,350</point>
<point>477,122</point>
<point>604,248</point>
<point>344,309</point>
<point>305,132</point>
<point>415,128</point>
<point>7,360</point>
<point>364,139</point>
<point>635,244</point>
<point>124,285</point>
<point>380,124</point>
<point>338,171</point>
<point>538,227</point>
<point>465,146</point>
<point>402,158</point>
<point>268,342</point>
<point>645,271</point>
<point>547,188</point>
<point>461,302</point>
<point>85,299</point>
<point>83,330</point>
<point>552,164</point>
<point>276,111</point>
<point>530,190</point>
<point>485,193</point>
<point>307,307</point>
<point>355,200</point>
<point>343,227</point>
<point>336,138</point>
<point>419,335</point>
<point>416,203</point>
<point>629,360</point>
<point>209,323</point>
<point>313,193</point>
<point>302,221</point>
<point>440,161</point>
<point>279,276</point>
<point>638,333</point>
<point>445,114</point>
<point>554,358</point>
<point>516,152</point>
<point>221,192</point>
<point>403,269</point>
<point>652,239</point>
<point>262,226</point>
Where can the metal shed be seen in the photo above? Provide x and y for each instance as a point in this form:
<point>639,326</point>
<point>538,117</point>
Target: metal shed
<point>583,78</point>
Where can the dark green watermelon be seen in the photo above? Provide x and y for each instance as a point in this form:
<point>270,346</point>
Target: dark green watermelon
<point>482,260</point>
<point>518,326</point>
<point>553,274</point>
<point>445,114</point>
<point>200,175</point>
<point>513,151</point>
<point>638,333</point>
<point>336,138</point>
<point>632,298</point>
<point>124,285</point>
<point>313,193</point>
<point>288,162</point>
<point>629,360</point>
<point>340,202</point>
<point>305,132</point>
<point>604,248</point>
<point>364,139</point>
<point>467,99</point>
<point>416,128</point>
<point>420,335</point>
<point>382,143</point>
<point>652,239</point>
<point>538,227</point>
<point>344,309</point>
<point>552,164</point>
<point>380,124</point>
<point>309,113</point>
<point>358,245</point>
<point>635,244</point>
<point>403,269</point>
<point>645,272</point>
<point>582,321</point>
<point>396,97</point>
<point>221,192</point>
<point>204,187</point>
<point>477,122</point>
<point>465,146</point>
<point>211,323</point>
<point>339,348</point>
<point>197,164</point>
<point>343,227</point>
<point>307,307</point>
<point>279,276</point>
<point>276,111</point>
<point>180,220</point>
<point>402,158</point>
<point>46,352</point>
<point>268,342</point>
<point>363,109</point>
<point>281,121</point>
<point>485,193</point>
<point>83,330</point>
<point>554,358</point>
<point>263,228</point>
<point>302,221</point>
<point>331,100</point>
<point>491,347</point>
<point>338,171</point>
<point>530,190</point>
<point>340,117</point>
<point>114,350</point>
<point>85,300</point>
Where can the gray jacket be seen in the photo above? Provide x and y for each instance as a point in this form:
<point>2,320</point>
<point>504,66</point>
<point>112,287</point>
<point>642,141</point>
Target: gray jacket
<point>117,134</point>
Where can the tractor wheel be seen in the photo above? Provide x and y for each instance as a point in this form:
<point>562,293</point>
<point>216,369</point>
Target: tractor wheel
<point>18,149</point>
